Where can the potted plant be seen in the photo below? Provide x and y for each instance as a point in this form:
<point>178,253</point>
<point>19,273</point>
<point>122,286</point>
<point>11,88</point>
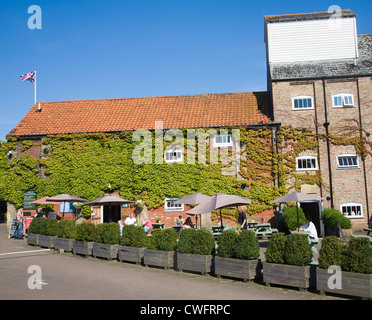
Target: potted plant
<point>34,231</point>
<point>133,243</point>
<point>106,240</point>
<point>48,233</point>
<point>160,249</point>
<point>237,255</point>
<point>83,243</point>
<point>196,251</point>
<point>65,235</point>
<point>290,215</point>
<point>330,219</point>
<point>353,262</point>
<point>288,261</point>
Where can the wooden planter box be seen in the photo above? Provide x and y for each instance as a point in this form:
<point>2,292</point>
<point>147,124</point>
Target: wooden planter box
<point>33,239</point>
<point>131,254</point>
<point>237,268</point>
<point>106,251</point>
<point>46,241</point>
<point>63,244</point>
<point>352,284</point>
<point>195,262</point>
<point>82,248</point>
<point>287,275</point>
<point>157,258</point>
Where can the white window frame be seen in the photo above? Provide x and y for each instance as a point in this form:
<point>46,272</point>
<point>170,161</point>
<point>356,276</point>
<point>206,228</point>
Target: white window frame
<point>352,214</point>
<point>223,144</point>
<point>347,166</point>
<point>311,158</point>
<point>344,104</point>
<point>179,155</point>
<point>302,98</point>
<point>172,206</point>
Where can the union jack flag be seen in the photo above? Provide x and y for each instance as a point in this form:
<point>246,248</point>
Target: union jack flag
<point>29,76</point>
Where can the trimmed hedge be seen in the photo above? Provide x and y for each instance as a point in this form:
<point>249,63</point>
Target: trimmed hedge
<point>275,250</point>
<point>297,250</point>
<point>243,246</point>
<point>36,225</point>
<point>330,253</point>
<point>331,216</point>
<point>134,236</point>
<point>107,233</point>
<point>66,229</point>
<point>163,240</point>
<point>290,217</point>
<point>85,232</point>
<point>357,256</point>
<point>194,241</point>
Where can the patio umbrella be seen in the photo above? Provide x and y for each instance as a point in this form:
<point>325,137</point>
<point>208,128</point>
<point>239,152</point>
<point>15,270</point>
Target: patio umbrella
<point>43,201</point>
<point>65,197</point>
<point>297,197</point>
<point>108,201</point>
<point>194,198</point>
<point>219,201</point>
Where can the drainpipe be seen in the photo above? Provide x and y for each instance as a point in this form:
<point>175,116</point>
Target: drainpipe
<point>326,126</point>
<point>363,160</point>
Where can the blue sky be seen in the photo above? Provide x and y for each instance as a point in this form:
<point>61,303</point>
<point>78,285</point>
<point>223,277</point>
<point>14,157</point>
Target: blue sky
<point>91,49</point>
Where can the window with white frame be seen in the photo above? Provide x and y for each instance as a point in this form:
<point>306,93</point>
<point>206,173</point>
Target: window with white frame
<point>343,100</point>
<point>352,210</point>
<point>171,206</point>
<point>173,155</point>
<point>307,163</point>
<point>302,103</point>
<point>223,140</point>
<point>347,161</point>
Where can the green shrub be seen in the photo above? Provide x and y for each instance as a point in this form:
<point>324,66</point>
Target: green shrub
<point>196,242</point>
<point>51,227</point>
<point>357,256</point>
<point>331,216</point>
<point>297,250</point>
<point>85,232</point>
<point>66,229</point>
<point>290,217</point>
<point>36,225</point>
<point>331,252</point>
<point>275,250</point>
<point>227,242</point>
<point>107,233</point>
<point>163,239</point>
<point>134,236</point>
<point>247,247</point>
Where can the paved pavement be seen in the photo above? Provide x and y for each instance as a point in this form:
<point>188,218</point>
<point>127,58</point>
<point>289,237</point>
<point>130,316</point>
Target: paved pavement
<point>69,277</point>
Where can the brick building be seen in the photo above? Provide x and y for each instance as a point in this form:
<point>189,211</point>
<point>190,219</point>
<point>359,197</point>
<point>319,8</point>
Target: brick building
<point>319,78</point>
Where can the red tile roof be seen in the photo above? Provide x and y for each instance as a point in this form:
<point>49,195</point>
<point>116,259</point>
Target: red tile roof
<point>115,115</point>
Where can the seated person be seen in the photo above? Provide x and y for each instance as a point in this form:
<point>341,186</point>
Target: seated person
<point>310,228</point>
<point>187,223</point>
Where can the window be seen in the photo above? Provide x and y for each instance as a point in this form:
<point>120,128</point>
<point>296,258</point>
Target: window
<point>307,163</point>
<point>352,210</point>
<point>302,103</point>
<point>343,100</point>
<point>173,155</point>
<point>223,140</point>
<point>171,206</point>
<point>347,161</point>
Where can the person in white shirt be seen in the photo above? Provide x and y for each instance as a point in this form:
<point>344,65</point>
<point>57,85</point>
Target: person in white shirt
<point>310,228</point>
<point>130,220</point>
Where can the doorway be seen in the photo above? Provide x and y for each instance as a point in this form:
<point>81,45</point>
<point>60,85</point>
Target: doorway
<point>111,213</point>
<point>313,210</point>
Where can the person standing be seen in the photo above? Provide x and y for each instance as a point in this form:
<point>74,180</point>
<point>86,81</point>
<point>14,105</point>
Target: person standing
<point>19,230</point>
<point>242,219</point>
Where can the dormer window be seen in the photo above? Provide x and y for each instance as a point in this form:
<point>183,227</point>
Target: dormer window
<point>302,103</point>
<point>344,100</point>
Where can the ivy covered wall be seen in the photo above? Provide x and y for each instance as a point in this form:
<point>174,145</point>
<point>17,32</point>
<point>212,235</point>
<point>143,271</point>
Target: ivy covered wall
<point>85,164</point>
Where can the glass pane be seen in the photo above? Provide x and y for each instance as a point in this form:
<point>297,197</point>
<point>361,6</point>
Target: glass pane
<point>296,103</point>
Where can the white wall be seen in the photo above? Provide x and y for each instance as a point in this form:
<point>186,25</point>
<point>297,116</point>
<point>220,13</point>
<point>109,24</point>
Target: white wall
<point>312,40</point>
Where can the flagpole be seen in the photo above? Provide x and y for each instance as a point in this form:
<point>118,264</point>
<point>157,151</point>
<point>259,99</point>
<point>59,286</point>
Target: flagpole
<point>35,87</point>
